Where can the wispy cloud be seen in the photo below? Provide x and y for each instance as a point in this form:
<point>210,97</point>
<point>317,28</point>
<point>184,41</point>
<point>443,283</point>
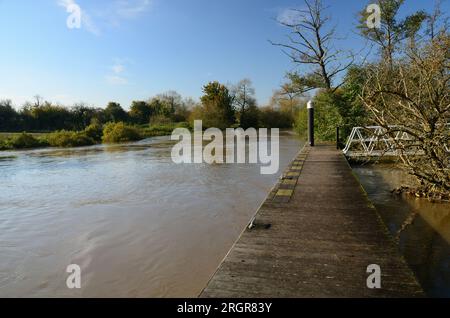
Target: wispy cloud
<point>112,13</point>
<point>131,8</point>
<point>117,74</point>
<point>289,16</point>
<point>86,20</point>
<point>116,80</point>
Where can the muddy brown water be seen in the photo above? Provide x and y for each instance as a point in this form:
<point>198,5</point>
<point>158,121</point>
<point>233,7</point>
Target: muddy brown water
<point>422,228</point>
<point>137,224</point>
<point>141,226</point>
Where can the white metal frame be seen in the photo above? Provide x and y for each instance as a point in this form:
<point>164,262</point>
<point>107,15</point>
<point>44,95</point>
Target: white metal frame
<point>373,142</point>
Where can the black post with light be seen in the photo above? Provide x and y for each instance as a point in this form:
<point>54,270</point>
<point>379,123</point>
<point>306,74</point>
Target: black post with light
<point>310,108</point>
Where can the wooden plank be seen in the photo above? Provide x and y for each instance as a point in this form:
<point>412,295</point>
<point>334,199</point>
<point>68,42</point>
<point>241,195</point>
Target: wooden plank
<point>321,239</point>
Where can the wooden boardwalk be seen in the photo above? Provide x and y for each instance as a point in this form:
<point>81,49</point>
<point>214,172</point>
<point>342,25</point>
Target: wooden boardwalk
<point>314,237</point>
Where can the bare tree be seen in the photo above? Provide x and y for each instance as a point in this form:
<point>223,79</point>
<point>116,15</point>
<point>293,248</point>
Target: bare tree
<point>38,100</point>
<point>243,95</point>
<point>310,45</point>
<point>412,97</point>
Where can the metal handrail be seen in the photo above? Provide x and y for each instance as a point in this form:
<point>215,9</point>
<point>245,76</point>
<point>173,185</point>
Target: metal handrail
<point>370,144</point>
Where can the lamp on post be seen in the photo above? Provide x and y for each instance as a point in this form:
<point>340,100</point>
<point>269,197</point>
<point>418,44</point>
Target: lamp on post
<point>310,108</point>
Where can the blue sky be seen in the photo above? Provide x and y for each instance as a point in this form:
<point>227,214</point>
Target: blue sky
<point>133,49</point>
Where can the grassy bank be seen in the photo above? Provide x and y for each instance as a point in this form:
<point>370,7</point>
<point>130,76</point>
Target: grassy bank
<point>93,134</point>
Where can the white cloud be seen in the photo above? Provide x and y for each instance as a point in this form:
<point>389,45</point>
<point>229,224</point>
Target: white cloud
<point>117,77</point>
<point>289,16</point>
<point>131,8</point>
<point>116,80</point>
<point>112,13</point>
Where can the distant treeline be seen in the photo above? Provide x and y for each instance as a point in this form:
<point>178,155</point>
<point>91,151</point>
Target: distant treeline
<point>221,106</point>
<point>47,116</point>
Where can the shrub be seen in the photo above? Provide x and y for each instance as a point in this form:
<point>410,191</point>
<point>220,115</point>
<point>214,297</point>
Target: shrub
<point>66,139</point>
<point>119,132</point>
<point>3,145</point>
<point>23,141</point>
<point>327,116</point>
<point>94,131</point>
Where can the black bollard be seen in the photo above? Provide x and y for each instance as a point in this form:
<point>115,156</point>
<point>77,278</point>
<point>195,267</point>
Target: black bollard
<point>311,123</point>
<point>338,146</point>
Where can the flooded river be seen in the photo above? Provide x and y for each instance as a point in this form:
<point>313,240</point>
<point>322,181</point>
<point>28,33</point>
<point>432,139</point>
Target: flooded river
<point>140,226</point>
<point>421,227</point>
<point>137,224</point>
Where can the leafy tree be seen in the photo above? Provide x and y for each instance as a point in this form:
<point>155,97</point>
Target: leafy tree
<point>171,101</point>
<point>158,108</point>
<point>46,117</point>
<point>352,109</point>
<point>328,106</point>
<point>9,118</point>
<point>82,116</point>
<point>183,110</point>
<point>393,30</point>
<point>274,118</point>
<point>115,113</point>
<point>217,106</point>
<point>140,112</point>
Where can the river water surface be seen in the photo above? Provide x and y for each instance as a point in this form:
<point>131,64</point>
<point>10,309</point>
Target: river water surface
<point>137,224</point>
<point>422,228</point>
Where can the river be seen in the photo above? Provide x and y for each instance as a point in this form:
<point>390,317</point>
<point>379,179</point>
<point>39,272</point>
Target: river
<point>421,228</point>
<point>137,224</point>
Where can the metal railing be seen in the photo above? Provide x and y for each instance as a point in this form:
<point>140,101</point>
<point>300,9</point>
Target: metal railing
<point>375,141</point>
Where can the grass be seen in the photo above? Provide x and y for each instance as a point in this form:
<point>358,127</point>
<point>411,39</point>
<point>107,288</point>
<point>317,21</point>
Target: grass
<point>161,129</point>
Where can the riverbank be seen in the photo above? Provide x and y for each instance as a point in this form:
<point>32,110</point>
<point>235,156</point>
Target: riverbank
<point>93,134</point>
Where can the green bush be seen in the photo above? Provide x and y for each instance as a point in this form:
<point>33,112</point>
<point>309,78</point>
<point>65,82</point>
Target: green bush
<point>22,141</point>
<point>67,139</point>
<point>119,132</point>
<point>301,123</point>
<point>94,131</point>
<point>327,116</point>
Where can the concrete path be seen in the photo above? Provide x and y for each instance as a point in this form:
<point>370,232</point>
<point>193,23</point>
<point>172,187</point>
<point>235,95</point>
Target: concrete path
<point>314,237</point>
